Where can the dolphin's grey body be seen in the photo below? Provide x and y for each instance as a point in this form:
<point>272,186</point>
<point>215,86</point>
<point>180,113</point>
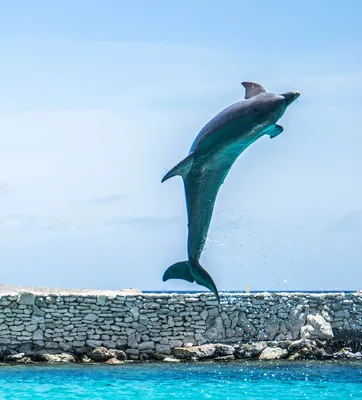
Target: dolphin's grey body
<point>211,156</point>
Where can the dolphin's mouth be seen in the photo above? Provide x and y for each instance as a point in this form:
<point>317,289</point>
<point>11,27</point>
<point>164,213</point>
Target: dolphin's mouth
<point>291,96</point>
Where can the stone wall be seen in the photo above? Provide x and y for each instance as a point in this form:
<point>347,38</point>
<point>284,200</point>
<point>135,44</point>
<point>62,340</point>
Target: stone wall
<point>144,325</point>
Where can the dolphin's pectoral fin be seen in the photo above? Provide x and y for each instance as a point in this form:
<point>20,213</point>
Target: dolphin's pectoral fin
<point>203,278</point>
<point>252,89</point>
<point>275,131</point>
<point>182,168</point>
<point>180,270</point>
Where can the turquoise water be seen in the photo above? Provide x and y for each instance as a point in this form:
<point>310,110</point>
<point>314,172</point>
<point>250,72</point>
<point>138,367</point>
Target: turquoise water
<point>183,381</point>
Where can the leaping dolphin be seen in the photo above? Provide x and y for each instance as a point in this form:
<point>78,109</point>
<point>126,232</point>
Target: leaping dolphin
<point>211,156</point>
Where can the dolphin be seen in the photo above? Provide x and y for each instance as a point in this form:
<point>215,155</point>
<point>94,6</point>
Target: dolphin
<point>212,154</point>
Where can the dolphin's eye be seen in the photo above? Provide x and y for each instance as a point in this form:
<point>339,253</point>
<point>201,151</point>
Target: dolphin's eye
<point>255,110</point>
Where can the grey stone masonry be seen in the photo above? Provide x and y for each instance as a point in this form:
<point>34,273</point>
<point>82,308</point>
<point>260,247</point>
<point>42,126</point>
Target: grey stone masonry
<point>146,325</point>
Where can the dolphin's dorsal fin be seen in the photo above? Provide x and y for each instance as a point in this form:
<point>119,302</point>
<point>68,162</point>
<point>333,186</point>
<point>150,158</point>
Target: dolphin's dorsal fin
<point>252,89</point>
<point>182,168</point>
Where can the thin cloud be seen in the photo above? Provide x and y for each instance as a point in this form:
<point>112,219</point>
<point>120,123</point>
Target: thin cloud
<point>349,222</point>
<point>141,222</point>
<point>4,186</point>
<point>108,199</point>
<point>56,226</point>
<point>18,221</point>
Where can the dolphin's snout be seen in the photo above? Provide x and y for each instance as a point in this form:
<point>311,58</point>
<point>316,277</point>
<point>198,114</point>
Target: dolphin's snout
<point>291,96</point>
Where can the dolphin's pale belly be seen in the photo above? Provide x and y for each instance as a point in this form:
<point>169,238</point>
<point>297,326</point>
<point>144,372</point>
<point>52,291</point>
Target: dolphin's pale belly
<point>238,134</point>
<point>229,150</point>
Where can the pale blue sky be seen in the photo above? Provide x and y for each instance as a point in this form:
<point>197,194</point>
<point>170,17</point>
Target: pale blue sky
<point>98,99</point>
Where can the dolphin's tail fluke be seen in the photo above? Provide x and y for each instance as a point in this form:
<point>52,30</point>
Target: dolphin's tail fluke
<point>180,270</point>
<point>196,273</point>
<point>203,278</point>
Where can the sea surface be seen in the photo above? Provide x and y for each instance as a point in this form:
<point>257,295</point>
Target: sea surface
<point>243,291</point>
<point>234,380</point>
